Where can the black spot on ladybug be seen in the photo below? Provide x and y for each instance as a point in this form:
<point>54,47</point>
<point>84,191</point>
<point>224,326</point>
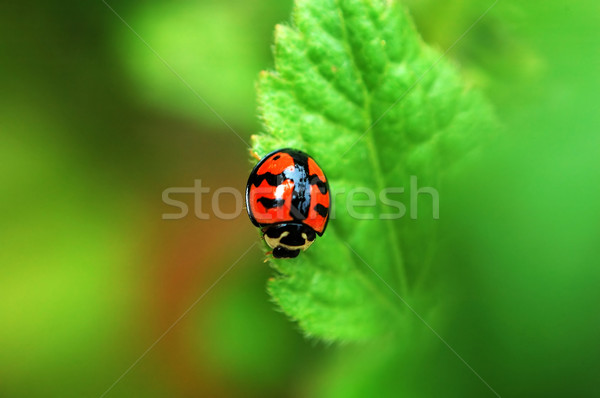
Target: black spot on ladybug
<point>270,203</point>
<point>315,180</point>
<point>277,157</point>
<point>321,210</point>
<point>272,179</point>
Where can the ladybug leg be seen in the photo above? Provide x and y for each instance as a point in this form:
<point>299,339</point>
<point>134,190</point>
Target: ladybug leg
<point>254,154</point>
<point>268,256</point>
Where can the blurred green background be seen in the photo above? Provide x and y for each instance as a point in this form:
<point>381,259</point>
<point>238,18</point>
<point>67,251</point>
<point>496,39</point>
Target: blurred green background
<point>94,127</point>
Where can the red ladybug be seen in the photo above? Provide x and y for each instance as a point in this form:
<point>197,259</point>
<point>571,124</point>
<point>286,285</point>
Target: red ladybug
<point>287,195</point>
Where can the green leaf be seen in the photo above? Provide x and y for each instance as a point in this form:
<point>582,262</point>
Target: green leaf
<point>355,87</point>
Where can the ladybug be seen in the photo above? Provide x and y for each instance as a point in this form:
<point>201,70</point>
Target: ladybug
<point>287,195</point>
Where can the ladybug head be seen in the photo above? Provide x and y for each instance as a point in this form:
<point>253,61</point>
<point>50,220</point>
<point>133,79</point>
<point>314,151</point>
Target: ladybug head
<point>288,239</point>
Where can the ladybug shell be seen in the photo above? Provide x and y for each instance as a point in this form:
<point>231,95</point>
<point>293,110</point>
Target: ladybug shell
<point>287,186</point>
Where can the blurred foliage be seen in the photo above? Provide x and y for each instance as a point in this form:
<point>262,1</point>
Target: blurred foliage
<point>354,87</point>
<point>221,58</point>
<point>90,276</point>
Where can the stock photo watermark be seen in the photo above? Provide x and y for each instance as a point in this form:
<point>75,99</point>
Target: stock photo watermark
<point>360,203</point>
